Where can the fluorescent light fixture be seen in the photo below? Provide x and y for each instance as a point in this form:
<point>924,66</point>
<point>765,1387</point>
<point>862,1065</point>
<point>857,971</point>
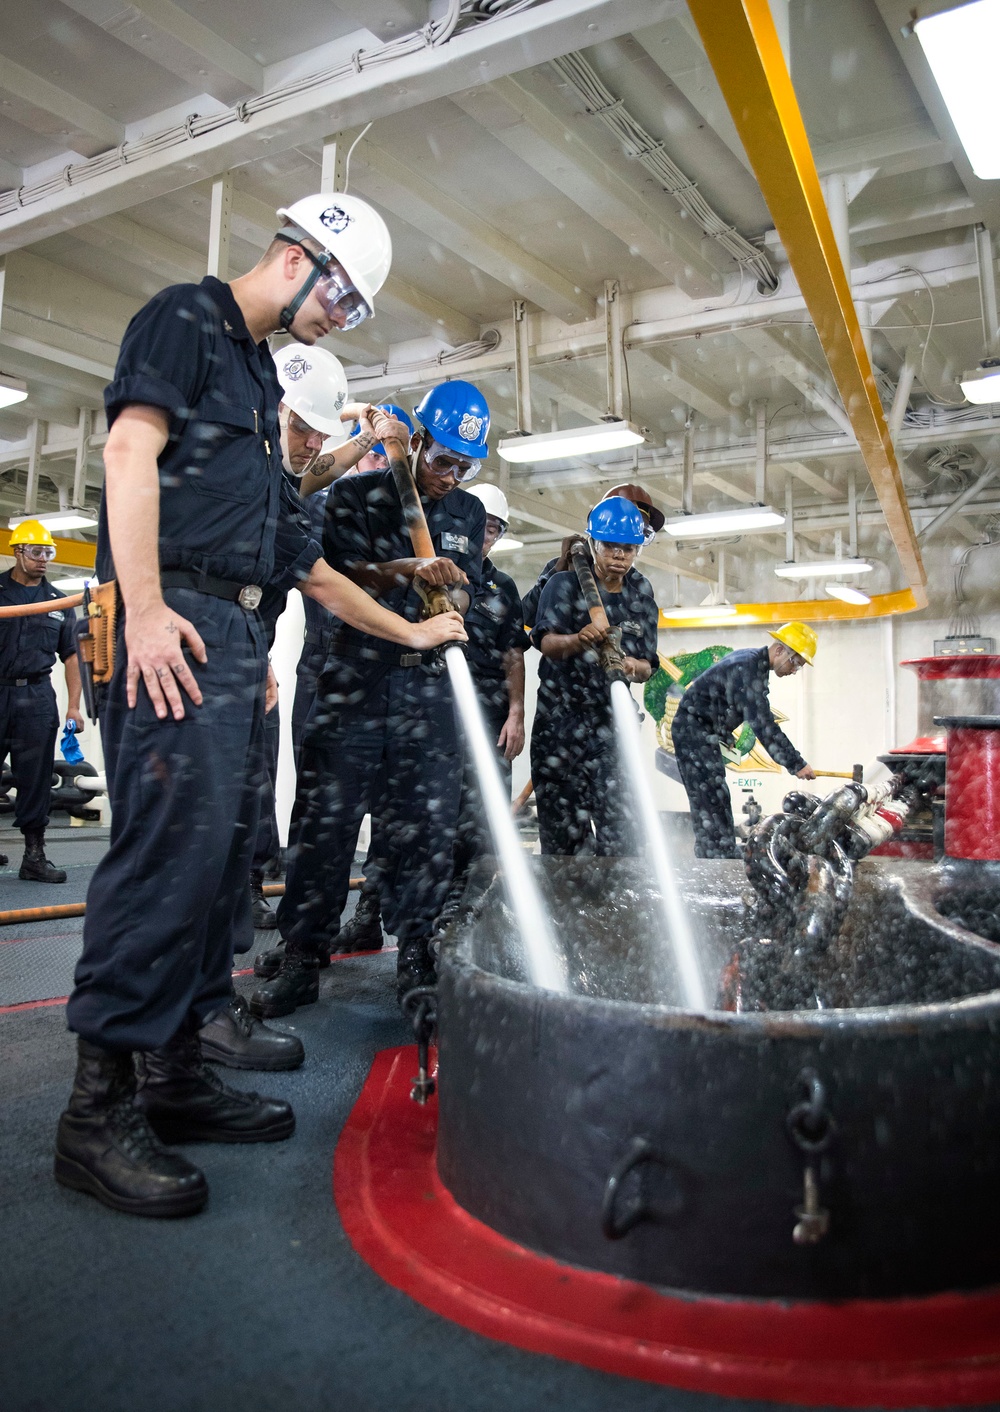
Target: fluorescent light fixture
<point>847,593</point>
<point>12,390</point>
<point>58,520</point>
<point>982,385</point>
<point>74,585</point>
<point>814,569</point>
<point>723,522</point>
<point>506,545</point>
<point>575,441</point>
<point>961,47</point>
<point>700,610</point>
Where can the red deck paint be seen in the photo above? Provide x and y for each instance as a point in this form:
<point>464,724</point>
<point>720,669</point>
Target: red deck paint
<point>938,1351</point>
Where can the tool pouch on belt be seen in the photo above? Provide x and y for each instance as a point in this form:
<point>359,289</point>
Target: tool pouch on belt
<point>95,639</point>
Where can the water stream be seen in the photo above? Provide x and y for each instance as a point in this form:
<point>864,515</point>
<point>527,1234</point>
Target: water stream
<point>545,967</point>
<point>677,922</point>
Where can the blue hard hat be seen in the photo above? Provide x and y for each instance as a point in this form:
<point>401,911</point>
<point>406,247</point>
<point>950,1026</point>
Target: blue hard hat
<point>394,411</point>
<point>456,415</point>
<point>616,521</point>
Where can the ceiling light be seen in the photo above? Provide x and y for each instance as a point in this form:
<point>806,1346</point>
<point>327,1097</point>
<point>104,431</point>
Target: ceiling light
<point>847,593</point>
<point>12,390</point>
<point>723,522</point>
<point>59,520</point>
<point>982,385</point>
<point>961,47</point>
<point>506,544</point>
<point>700,610</point>
<point>74,585</point>
<point>575,441</point>
<point>811,570</point>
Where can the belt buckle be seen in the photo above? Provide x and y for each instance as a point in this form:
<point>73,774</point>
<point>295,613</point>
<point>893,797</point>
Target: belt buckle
<point>410,659</point>
<point>250,596</point>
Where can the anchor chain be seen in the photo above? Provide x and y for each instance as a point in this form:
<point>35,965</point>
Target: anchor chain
<point>420,1004</point>
<point>811,1127</point>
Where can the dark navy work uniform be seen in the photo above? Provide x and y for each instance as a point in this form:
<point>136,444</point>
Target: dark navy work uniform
<point>382,737</point>
<point>29,716</point>
<point>170,901</point>
<point>495,626</point>
<point>318,631</point>
<point>531,599</point>
<point>574,756</point>
<point>716,703</point>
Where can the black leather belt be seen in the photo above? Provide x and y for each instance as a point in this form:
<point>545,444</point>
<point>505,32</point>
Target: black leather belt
<point>379,659</point>
<point>31,680</point>
<point>315,639</point>
<point>247,595</point>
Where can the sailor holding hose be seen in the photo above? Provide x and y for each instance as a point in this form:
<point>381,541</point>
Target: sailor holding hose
<point>383,738</point>
<point>716,703</point>
<point>198,517</point>
<point>580,795</point>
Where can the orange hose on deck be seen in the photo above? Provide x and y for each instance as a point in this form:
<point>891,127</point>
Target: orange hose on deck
<point>47,605</point>
<point>77,909</point>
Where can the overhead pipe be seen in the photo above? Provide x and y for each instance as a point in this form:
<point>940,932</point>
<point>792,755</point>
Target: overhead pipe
<point>959,503</point>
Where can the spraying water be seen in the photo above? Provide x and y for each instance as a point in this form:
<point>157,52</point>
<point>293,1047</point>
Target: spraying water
<point>678,923</point>
<point>544,967</point>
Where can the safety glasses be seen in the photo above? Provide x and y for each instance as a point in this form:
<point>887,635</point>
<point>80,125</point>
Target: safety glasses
<point>442,462</point>
<point>343,302</point>
<point>41,553</point>
<point>301,428</point>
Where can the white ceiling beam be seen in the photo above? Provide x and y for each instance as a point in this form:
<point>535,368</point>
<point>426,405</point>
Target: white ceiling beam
<point>679,380</point>
<point>907,329</point>
<point>797,368</point>
<point>165,33</point>
<point>812,480</point>
<point>523,113</point>
<point>387,19</point>
<point>412,198</point>
<point>911,148</point>
<point>302,113</point>
<point>82,117</point>
<point>139,245</point>
<point>922,218</point>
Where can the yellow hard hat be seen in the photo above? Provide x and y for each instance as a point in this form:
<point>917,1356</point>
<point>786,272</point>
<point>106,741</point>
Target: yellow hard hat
<point>31,532</point>
<point>799,638</point>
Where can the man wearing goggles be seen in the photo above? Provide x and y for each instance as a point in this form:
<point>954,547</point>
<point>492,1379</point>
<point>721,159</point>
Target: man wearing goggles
<point>383,738</point>
<point>29,716</point>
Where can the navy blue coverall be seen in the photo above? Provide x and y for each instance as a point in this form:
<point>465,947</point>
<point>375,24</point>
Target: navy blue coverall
<point>716,703</point>
<point>382,738</point>
<point>495,625</point>
<point>169,902</point>
<point>319,630</point>
<point>574,754</point>
<point>29,716</point>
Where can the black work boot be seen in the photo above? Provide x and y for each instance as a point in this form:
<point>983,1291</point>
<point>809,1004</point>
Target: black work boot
<point>35,867</point>
<point>414,965</point>
<point>263,918</point>
<point>268,963</point>
<point>234,1039</point>
<point>105,1146</point>
<point>186,1101</point>
<point>364,931</point>
<point>296,983</point>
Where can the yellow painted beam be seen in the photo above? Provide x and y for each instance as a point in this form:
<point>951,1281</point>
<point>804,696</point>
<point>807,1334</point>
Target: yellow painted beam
<point>75,552</point>
<point>743,48</point>
<point>811,610</point>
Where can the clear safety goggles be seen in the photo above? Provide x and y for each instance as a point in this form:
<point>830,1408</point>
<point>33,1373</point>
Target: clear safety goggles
<point>441,461</point>
<point>615,551</point>
<point>342,300</point>
<point>41,553</point>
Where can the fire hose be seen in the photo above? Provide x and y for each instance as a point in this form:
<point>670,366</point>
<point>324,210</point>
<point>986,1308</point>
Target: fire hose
<point>48,605</point>
<point>610,651</point>
<point>78,909</point>
<point>436,597</point>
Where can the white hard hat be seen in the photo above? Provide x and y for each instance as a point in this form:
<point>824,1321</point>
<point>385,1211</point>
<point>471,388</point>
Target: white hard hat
<point>493,499</point>
<point>314,385</point>
<point>353,232</point>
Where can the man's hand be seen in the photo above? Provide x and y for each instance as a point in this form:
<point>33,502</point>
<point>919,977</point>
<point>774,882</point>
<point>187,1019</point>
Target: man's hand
<point>154,638</point>
<point>438,573</point>
<point>76,716</point>
<point>387,428</point>
<point>270,691</point>
<point>806,773</point>
<point>432,632</point>
<point>637,669</point>
<point>511,737</point>
<point>592,635</point>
